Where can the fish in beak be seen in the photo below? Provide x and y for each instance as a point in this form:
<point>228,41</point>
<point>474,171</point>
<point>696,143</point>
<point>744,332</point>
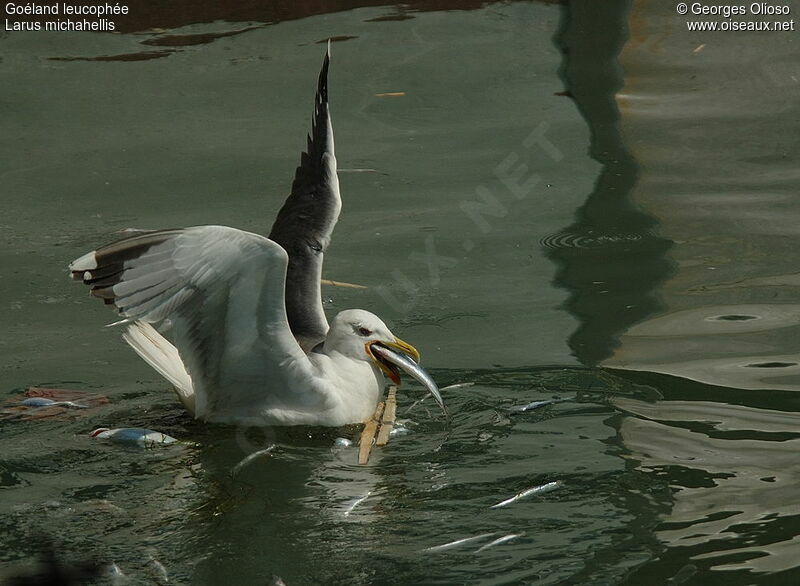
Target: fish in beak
<point>392,357</point>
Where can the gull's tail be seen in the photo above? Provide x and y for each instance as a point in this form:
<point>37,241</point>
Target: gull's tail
<point>160,354</point>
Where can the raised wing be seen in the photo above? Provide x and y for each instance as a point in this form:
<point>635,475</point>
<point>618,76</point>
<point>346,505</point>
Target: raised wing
<point>221,290</point>
<point>305,223</point>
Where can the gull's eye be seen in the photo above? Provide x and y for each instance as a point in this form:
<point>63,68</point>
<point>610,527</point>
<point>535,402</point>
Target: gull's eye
<point>364,331</point>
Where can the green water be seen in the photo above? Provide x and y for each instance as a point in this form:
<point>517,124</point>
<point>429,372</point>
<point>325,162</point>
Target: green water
<point>628,245</point>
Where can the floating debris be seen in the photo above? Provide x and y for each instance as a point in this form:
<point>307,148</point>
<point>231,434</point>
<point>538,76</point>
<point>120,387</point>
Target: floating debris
<point>499,541</point>
<point>250,457</point>
<point>387,420</point>
<point>459,542</point>
<point>380,427</point>
<point>368,435</point>
<point>390,95</point>
<point>136,436</point>
<point>526,493</point>
<point>354,503</point>
<point>45,402</point>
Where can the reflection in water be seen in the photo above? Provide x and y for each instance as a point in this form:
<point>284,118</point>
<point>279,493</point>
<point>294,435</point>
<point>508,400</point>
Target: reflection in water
<point>729,204</point>
<point>608,259</point>
<point>732,471</point>
<point>718,464</point>
<point>739,346</point>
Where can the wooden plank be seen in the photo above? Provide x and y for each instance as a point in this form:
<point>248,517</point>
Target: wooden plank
<point>368,435</point>
<point>389,415</point>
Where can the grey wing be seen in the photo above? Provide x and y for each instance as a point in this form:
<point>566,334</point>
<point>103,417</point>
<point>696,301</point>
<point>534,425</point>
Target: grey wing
<point>221,289</point>
<point>305,223</point>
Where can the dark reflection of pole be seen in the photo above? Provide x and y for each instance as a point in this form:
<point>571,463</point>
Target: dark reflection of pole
<point>608,259</point>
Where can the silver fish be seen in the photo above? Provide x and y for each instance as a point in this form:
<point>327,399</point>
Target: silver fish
<point>355,502</point>
<point>499,541</point>
<point>249,458</point>
<point>531,491</point>
<point>457,542</point>
<point>410,367</point>
<point>457,386</point>
<point>536,404</point>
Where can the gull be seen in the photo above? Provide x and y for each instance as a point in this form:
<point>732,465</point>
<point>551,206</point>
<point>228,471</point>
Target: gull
<point>249,342</point>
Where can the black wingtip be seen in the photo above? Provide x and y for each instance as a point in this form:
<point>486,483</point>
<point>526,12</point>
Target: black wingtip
<point>322,86</point>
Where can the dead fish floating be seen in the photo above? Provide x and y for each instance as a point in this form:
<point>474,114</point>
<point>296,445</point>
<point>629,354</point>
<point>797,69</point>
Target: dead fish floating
<point>537,404</point>
<point>541,489</point>
<point>134,436</point>
<point>458,542</point>
<point>499,541</point>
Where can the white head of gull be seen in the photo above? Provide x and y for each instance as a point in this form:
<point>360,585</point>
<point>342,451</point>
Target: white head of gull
<point>249,340</point>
